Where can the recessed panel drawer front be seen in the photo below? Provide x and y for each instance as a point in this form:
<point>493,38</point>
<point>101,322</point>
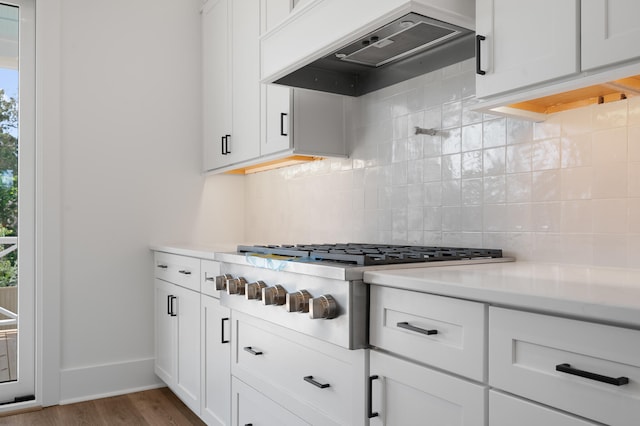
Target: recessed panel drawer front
<point>440,331</point>
<point>180,270</point>
<point>589,369</point>
<point>306,374</point>
<point>209,270</point>
<point>503,409</point>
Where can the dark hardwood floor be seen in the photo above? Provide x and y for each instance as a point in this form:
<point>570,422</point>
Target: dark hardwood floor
<point>154,407</point>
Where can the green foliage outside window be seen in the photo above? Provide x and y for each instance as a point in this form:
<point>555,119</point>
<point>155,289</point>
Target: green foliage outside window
<point>8,185</point>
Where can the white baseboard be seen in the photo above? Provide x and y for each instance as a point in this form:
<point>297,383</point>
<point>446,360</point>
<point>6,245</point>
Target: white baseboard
<point>100,381</point>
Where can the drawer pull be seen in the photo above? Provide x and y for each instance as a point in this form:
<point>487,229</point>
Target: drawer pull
<point>410,327</point>
<point>309,379</point>
<point>161,266</point>
<point>370,412</point>
<point>209,278</point>
<point>617,381</point>
<point>251,351</point>
<point>184,272</point>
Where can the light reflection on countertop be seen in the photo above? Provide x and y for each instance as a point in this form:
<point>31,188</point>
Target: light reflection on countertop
<point>590,292</point>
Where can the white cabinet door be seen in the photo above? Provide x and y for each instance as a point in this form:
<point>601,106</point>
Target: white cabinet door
<point>526,42</point>
<point>177,340</point>
<point>165,332</point>
<point>186,310</point>
<point>276,135</point>
<point>250,407</point>
<point>404,393</point>
<point>216,362</point>
<point>610,32</point>
<point>216,97</point>
<point>244,142</point>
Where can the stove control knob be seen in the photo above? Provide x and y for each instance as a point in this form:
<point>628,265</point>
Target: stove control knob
<point>253,291</point>
<point>298,301</point>
<point>236,285</point>
<point>324,306</point>
<point>275,295</point>
<point>221,281</point>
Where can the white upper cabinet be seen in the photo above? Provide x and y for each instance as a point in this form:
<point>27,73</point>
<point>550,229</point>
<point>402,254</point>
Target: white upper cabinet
<point>216,97</point>
<point>525,42</point>
<point>231,98</point>
<point>610,32</point>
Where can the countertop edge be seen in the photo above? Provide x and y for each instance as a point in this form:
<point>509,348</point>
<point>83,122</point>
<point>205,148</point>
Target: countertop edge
<point>614,314</point>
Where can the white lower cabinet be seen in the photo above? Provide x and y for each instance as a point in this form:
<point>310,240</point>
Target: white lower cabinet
<point>251,407</point>
<point>321,383</point>
<point>584,368</point>
<point>216,358</point>
<point>405,393</point>
<point>505,409</point>
<point>177,318</point>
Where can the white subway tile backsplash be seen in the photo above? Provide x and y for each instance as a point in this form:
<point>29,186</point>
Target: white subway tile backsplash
<point>563,190</point>
<point>495,189</point>
<point>610,146</point>
<point>472,137</point>
<point>545,185</point>
<point>451,141</point>
<point>634,143</point>
<point>472,164</point>
<point>451,166</point>
<point>608,115</point>
<point>610,181</point>
<point>545,154</point>
<point>494,133</point>
<point>610,216</point>
<point>576,150</point>
<point>634,180</point>
<point>493,161</point>
<point>519,188</point>
<point>519,158</point>
<point>576,183</point>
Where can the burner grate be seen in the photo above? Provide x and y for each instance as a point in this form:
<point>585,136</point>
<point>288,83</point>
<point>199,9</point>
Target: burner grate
<point>372,254</point>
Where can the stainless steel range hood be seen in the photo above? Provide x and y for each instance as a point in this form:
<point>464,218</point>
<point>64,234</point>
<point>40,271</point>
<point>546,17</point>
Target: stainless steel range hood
<point>405,41</point>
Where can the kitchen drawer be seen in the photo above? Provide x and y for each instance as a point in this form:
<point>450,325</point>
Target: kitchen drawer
<point>503,409</point>
<point>250,407</point>
<point>526,349</point>
<point>405,393</point>
<point>180,270</point>
<point>317,378</point>
<point>209,270</point>
<point>458,344</point>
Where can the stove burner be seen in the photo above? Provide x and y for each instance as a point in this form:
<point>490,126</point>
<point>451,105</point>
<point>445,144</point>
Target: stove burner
<point>372,254</point>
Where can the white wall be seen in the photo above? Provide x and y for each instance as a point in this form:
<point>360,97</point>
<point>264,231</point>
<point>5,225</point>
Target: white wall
<point>128,171</point>
<point>565,190</point>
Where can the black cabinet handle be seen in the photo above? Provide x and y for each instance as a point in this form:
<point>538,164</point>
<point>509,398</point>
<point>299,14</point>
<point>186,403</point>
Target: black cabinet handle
<point>370,412</point>
<point>171,311</point>
<point>479,38</point>
<point>616,381</point>
<point>282,116</point>
<point>222,145</point>
<point>161,266</point>
<point>251,351</point>
<point>222,339</point>
<point>410,327</point>
<point>226,144</point>
<point>184,272</point>
<point>169,304</point>
<point>309,379</point>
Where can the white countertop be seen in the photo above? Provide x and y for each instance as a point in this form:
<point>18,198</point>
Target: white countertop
<point>193,250</point>
<point>610,295</point>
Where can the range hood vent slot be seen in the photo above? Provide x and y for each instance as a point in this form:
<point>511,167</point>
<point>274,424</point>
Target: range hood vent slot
<point>405,48</point>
